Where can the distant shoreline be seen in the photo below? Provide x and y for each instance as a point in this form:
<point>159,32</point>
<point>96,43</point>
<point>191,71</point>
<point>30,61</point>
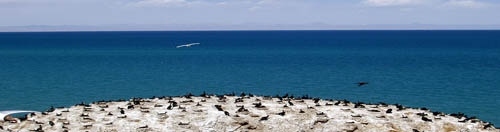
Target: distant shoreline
<point>230,30</point>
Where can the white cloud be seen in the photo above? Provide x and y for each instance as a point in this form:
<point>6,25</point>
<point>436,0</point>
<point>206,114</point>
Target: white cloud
<point>466,3</point>
<point>254,8</point>
<point>261,2</point>
<point>222,3</point>
<point>391,2</point>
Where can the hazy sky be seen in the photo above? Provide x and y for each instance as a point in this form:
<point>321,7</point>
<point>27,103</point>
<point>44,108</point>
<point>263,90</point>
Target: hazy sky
<point>226,12</point>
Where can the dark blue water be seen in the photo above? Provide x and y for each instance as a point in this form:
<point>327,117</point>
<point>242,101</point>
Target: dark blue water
<point>449,71</point>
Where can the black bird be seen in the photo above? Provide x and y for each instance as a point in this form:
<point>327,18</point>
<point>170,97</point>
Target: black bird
<point>238,100</point>
<point>426,119</point>
<point>264,118</point>
<point>282,113</point>
<point>388,111</point>
<point>203,94</point>
<point>130,107</point>
<point>136,102</point>
<point>226,113</point>
<point>421,114</point>
<point>84,115</point>
<point>81,104</point>
<point>243,123</point>
<point>361,83</point>
<point>122,111</point>
<point>219,107</point>
<point>305,97</point>
<point>174,104</point>
<point>242,109</point>
<point>316,100</point>
<point>400,107</point>
<point>51,109</point>
<point>51,123</point>
<point>488,125</point>
<point>359,105</point>
<point>258,105</point>
<point>355,115</point>
<point>183,124</point>
<point>169,107</point>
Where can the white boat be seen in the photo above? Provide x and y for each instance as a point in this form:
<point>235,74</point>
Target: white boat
<point>3,114</point>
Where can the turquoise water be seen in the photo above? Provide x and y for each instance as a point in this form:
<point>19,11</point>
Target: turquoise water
<point>449,71</point>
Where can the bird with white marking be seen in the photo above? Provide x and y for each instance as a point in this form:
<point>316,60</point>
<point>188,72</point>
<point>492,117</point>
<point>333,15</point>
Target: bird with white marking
<point>187,45</point>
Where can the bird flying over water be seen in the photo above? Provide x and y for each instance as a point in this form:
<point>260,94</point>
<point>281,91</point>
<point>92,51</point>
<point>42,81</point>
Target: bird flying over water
<point>3,114</point>
<point>187,45</point>
<point>361,83</point>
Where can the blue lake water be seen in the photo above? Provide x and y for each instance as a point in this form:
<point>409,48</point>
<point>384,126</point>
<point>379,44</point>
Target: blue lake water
<point>448,71</point>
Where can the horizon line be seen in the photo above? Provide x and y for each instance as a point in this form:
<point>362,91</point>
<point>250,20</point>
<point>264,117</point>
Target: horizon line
<point>229,30</point>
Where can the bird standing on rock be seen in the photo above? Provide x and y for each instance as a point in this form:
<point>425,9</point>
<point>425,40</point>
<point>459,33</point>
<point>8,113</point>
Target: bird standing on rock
<point>264,118</point>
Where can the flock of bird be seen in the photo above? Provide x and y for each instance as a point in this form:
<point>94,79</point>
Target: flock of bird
<point>239,113</point>
<point>4,114</point>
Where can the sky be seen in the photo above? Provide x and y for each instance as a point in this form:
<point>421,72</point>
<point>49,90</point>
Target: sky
<point>248,12</point>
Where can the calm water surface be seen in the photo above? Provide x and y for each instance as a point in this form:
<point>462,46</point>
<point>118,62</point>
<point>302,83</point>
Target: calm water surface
<point>449,71</point>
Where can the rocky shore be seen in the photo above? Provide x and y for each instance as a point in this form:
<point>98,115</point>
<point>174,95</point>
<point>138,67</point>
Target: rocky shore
<point>244,112</point>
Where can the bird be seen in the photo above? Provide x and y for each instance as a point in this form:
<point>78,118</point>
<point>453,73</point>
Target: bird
<point>264,118</point>
<point>5,114</point>
<point>361,83</point>
<point>187,45</point>
<point>388,111</point>
<point>282,113</point>
<point>51,123</point>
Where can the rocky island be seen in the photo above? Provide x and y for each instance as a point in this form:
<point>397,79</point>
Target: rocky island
<point>245,112</point>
